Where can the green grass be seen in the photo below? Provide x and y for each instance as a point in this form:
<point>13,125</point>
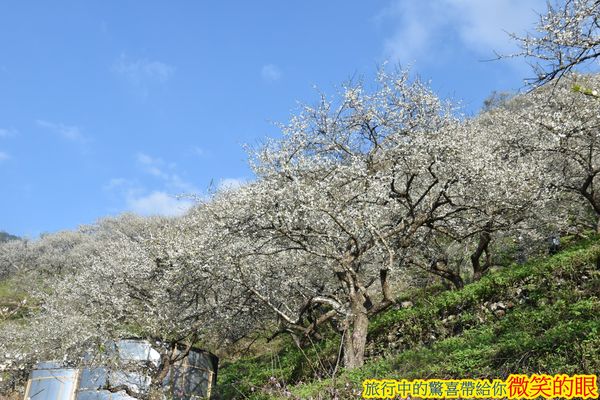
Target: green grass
<point>11,298</point>
<point>552,327</point>
<point>256,375</point>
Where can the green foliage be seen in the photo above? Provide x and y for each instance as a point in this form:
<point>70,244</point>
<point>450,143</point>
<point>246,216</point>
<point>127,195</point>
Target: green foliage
<point>256,375</point>
<point>12,301</point>
<point>586,91</point>
<point>494,287</point>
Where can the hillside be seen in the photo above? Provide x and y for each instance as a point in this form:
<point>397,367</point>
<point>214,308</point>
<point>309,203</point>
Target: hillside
<point>532,318</point>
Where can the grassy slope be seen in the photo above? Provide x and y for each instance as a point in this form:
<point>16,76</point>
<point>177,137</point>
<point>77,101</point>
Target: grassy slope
<point>550,324</point>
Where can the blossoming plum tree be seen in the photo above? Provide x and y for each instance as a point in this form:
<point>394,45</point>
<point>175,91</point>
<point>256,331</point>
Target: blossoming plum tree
<point>566,36</point>
<point>340,200</point>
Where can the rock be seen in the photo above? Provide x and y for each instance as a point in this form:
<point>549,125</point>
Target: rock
<point>499,313</point>
<point>449,319</point>
<point>406,304</point>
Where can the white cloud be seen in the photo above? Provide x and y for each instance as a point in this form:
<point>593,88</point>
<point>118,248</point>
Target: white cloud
<point>142,201</point>
<point>116,183</point>
<point>410,41</point>
<point>172,196</point>
<point>165,172</point>
<point>168,194</point>
<point>271,73</point>
<point>68,132</point>
<point>422,30</point>
<point>231,183</point>
<point>152,166</point>
<point>158,203</point>
<point>6,132</point>
<point>142,71</point>
<point>483,25</point>
<point>199,151</point>
<point>4,156</point>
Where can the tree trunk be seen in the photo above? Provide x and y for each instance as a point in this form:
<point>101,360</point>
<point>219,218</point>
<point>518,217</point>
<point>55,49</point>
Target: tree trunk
<point>457,281</point>
<point>440,268</point>
<point>478,268</point>
<point>355,336</point>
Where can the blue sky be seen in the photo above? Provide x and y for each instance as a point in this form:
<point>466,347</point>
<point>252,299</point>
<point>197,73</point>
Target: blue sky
<point>115,106</point>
